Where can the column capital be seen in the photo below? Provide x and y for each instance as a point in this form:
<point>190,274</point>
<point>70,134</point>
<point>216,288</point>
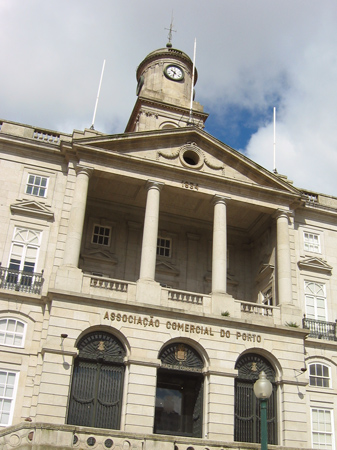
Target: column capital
<point>84,169</point>
<point>220,199</point>
<point>154,184</point>
<point>279,213</point>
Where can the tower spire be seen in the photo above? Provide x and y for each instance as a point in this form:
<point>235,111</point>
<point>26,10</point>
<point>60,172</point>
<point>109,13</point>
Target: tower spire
<point>169,36</point>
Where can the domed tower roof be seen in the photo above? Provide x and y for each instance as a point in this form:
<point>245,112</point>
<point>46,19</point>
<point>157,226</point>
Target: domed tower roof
<point>164,92</point>
<point>165,52</point>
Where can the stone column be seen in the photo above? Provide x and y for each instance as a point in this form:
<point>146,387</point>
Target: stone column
<point>219,255</point>
<point>76,220</point>
<point>150,233</point>
<point>283,258</point>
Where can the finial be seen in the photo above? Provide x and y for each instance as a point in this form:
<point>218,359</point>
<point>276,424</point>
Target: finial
<point>169,37</point>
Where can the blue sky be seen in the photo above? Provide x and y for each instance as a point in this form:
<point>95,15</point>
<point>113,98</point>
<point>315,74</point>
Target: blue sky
<point>235,125</point>
<point>251,55</point>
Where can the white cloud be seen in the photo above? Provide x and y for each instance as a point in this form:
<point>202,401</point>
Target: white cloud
<point>306,131</point>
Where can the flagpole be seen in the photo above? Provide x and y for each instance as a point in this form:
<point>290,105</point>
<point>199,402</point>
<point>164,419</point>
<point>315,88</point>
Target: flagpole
<point>192,86</point>
<point>99,89</point>
<point>275,171</point>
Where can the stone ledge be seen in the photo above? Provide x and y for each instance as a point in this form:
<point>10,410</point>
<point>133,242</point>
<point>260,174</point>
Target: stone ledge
<point>46,436</point>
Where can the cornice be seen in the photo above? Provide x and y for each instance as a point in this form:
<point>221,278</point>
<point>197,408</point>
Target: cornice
<point>162,106</point>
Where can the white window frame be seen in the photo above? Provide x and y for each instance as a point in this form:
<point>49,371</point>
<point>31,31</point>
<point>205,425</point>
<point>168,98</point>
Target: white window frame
<point>267,297</point>
<point>26,244</point>
<point>330,432</point>
<point>101,235</point>
<point>12,334</point>
<point>33,185</point>
<point>309,242</point>
<point>321,377</point>
<point>162,248</point>
<point>12,398</point>
<point>315,298</point>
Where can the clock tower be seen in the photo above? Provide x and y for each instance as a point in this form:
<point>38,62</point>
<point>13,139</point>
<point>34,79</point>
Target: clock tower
<point>164,89</point>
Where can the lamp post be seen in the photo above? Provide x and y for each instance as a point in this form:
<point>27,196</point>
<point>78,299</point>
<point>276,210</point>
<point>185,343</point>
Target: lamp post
<point>263,389</point>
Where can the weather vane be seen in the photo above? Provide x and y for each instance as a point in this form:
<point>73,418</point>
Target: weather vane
<point>169,44</point>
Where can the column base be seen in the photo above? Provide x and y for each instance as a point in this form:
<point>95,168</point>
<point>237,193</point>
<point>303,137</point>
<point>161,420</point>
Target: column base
<point>222,303</point>
<point>68,278</point>
<point>291,314</point>
<point>148,291</point>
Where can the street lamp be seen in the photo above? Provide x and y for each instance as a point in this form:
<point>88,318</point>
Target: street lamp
<point>263,389</point>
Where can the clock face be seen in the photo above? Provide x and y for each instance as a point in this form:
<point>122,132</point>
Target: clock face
<point>174,73</point>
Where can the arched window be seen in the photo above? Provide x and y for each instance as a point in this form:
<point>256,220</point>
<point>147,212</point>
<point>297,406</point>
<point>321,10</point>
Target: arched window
<point>319,375</point>
<point>179,391</point>
<point>97,385</point>
<point>12,332</point>
<point>247,411</point>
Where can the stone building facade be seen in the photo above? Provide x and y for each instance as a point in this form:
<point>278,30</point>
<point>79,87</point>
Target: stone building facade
<point>147,278</point>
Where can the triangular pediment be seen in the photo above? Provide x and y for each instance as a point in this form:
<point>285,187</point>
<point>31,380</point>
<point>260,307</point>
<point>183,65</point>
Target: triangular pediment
<point>99,256</point>
<point>189,151</point>
<point>166,268</point>
<point>315,264</point>
<point>32,209</point>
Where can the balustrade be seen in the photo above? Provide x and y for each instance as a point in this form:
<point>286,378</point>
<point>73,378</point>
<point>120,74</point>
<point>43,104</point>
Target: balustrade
<point>320,329</point>
<point>21,281</point>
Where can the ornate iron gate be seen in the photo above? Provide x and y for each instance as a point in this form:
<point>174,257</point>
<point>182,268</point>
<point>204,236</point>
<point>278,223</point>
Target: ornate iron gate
<point>247,409</point>
<point>97,386</point>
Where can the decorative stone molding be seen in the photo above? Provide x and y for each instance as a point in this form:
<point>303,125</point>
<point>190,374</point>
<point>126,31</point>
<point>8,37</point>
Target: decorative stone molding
<point>166,268</point>
<point>212,163</point>
<point>315,264</point>
<point>191,152</point>
<point>97,255</point>
<point>168,154</point>
<point>32,209</point>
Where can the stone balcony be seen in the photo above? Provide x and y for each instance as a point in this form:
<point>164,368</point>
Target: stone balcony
<point>320,329</point>
<point>128,292</point>
<point>21,281</point>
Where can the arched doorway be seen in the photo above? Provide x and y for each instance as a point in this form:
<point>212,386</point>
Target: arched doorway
<point>97,384</point>
<point>247,409</point>
<point>179,391</point>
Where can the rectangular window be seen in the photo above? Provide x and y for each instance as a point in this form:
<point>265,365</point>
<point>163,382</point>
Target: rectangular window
<point>321,426</point>
<point>312,242</point>
<point>164,247</point>
<point>101,235</point>
<point>315,300</point>
<point>8,386</point>
<point>319,375</point>
<point>37,185</point>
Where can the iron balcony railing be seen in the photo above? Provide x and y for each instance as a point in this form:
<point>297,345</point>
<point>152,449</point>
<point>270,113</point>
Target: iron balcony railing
<point>320,329</point>
<point>20,280</point>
